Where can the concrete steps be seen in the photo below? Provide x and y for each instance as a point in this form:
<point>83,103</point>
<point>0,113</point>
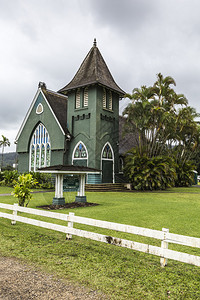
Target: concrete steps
<point>106,187</point>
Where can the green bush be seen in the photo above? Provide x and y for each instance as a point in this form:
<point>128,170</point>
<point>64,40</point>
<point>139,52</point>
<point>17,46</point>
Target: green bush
<point>156,173</point>
<point>22,189</point>
<point>1,176</point>
<point>185,174</point>
<point>44,181</point>
<point>9,177</point>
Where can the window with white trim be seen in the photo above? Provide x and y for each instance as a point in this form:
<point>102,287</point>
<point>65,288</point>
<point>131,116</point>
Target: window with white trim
<point>81,98</point>
<point>110,100</point>
<point>80,151</point>
<point>39,109</point>
<point>80,154</point>
<point>107,99</point>
<point>78,99</point>
<point>107,152</point>
<point>85,101</point>
<point>40,149</point>
<point>104,98</point>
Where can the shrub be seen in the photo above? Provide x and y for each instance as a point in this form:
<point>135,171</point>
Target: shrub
<point>156,173</point>
<point>1,176</point>
<point>43,180</point>
<point>22,189</point>
<point>185,174</point>
<point>9,177</point>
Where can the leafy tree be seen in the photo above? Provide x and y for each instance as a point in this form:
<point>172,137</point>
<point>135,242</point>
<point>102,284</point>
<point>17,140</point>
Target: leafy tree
<point>22,189</point>
<point>165,126</point>
<point>4,143</point>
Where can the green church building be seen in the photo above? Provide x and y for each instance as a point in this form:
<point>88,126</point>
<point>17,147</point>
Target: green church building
<point>77,125</point>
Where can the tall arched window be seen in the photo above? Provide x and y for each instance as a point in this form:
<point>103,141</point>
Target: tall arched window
<point>80,155</point>
<point>40,149</point>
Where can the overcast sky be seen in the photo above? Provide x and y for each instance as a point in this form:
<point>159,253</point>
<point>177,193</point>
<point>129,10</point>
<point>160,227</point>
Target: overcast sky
<point>46,40</point>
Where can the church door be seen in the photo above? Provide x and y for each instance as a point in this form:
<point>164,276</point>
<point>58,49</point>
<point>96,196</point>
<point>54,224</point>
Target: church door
<point>107,159</point>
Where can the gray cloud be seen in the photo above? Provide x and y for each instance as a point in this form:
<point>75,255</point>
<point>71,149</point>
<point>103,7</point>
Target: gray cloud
<point>46,40</point>
<point>120,15</point>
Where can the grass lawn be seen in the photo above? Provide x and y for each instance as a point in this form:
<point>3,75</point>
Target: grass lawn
<point>120,272</point>
<point>5,190</point>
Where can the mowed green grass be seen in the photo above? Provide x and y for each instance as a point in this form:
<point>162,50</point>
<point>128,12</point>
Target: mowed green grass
<point>119,272</point>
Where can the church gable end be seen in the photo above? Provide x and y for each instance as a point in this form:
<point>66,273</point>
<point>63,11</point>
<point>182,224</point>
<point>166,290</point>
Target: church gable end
<point>48,111</point>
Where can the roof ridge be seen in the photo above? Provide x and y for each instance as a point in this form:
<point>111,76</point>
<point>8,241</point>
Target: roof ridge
<point>56,93</point>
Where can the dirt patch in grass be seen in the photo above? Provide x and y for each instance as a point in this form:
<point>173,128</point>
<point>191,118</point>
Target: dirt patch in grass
<point>22,281</point>
<point>67,205</point>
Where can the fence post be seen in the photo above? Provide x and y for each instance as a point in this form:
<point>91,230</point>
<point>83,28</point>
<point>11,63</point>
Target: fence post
<point>164,245</point>
<point>70,225</point>
<point>15,205</point>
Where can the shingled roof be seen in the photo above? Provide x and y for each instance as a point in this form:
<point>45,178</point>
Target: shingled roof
<point>127,140</point>
<point>93,70</point>
<point>58,104</point>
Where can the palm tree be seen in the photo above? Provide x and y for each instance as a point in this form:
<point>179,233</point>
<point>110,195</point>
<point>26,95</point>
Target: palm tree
<point>4,143</point>
<point>153,112</point>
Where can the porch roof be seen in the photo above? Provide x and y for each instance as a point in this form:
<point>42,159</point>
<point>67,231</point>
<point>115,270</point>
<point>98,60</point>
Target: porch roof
<point>69,169</point>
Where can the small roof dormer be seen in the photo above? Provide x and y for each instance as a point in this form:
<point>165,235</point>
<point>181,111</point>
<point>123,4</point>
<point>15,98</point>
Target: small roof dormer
<point>93,70</point>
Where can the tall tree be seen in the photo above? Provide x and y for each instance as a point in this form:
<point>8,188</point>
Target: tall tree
<point>4,143</point>
<point>164,122</point>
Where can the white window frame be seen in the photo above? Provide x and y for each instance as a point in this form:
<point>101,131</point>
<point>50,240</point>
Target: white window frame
<point>38,140</point>
<point>107,99</point>
<point>78,99</point>
<point>79,158</point>
<point>85,97</point>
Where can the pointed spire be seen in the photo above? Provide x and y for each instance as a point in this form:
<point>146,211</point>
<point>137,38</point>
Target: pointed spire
<point>93,70</point>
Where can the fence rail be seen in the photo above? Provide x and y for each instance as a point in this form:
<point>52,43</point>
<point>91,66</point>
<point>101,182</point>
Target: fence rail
<point>165,236</point>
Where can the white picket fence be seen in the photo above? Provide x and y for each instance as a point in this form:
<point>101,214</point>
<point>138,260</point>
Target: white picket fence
<point>165,236</point>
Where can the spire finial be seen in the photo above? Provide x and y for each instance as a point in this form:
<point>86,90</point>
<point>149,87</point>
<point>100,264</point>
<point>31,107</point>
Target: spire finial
<point>95,43</point>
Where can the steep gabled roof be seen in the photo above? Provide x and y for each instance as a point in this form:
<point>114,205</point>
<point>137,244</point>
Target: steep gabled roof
<point>93,70</point>
<point>58,104</point>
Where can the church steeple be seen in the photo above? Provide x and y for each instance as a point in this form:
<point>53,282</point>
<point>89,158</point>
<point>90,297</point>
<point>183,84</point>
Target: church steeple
<point>93,70</point>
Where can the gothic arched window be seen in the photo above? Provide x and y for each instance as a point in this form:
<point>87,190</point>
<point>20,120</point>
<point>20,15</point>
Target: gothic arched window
<point>40,149</point>
<point>107,152</point>
<point>80,155</point>
<point>80,151</point>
